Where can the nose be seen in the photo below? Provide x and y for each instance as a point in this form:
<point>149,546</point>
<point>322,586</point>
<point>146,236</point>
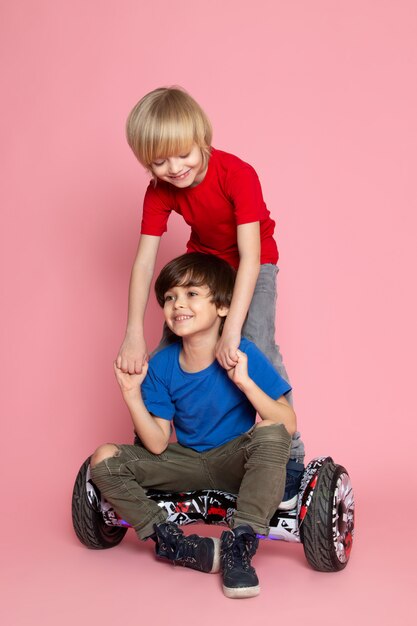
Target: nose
<point>179,302</point>
<point>174,166</point>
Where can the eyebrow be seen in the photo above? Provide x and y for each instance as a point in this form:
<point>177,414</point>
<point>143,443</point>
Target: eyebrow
<point>185,285</point>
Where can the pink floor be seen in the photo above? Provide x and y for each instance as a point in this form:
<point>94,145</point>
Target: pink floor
<point>51,579</point>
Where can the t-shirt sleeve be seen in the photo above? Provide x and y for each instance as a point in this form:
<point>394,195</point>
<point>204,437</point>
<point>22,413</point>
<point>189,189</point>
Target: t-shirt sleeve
<point>263,373</point>
<point>245,193</point>
<point>155,394</point>
<point>157,207</point>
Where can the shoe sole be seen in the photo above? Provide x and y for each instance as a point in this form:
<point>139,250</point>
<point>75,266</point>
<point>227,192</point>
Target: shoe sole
<point>216,556</point>
<point>241,592</point>
<point>288,504</point>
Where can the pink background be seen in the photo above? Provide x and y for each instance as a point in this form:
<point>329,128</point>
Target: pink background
<point>320,96</point>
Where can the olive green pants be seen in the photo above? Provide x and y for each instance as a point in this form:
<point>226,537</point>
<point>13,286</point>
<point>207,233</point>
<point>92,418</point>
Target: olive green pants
<point>253,466</point>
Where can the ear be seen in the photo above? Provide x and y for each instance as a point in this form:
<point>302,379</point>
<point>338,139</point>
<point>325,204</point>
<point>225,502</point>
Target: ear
<point>222,311</point>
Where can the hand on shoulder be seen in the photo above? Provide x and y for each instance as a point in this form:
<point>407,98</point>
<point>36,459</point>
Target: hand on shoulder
<point>239,373</point>
<point>226,350</point>
<point>129,383</point>
<point>132,355</point>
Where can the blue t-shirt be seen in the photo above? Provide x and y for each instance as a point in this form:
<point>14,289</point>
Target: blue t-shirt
<point>206,407</point>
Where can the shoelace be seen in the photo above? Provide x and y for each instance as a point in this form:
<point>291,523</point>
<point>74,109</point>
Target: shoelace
<point>242,549</point>
<point>181,547</point>
<point>170,542</point>
<point>186,548</point>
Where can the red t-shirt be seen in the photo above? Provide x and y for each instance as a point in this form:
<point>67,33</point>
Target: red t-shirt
<point>230,194</point>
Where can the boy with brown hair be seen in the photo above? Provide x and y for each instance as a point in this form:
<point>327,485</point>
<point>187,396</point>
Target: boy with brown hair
<point>219,445</point>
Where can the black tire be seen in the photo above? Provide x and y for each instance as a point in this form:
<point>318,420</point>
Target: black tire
<point>88,522</point>
<point>327,529</point>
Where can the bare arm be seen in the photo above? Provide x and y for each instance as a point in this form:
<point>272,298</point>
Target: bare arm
<point>275,411</point>
<point>133,352</point>
<point>249,244</point>
<point>153,432</point>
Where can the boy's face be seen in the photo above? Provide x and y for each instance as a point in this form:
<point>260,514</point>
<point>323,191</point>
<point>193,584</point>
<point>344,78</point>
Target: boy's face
<point>190,310</point>
<point>184,170</point>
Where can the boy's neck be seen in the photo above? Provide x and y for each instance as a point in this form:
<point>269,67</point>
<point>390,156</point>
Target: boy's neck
<point>198,352</point>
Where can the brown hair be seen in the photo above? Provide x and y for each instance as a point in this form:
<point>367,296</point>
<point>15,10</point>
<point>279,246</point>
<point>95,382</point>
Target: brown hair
<point>196,268</point>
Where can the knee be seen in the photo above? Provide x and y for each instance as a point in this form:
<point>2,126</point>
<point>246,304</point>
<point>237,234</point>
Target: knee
<point>264,423</point>
<point>271,430</point>
<point>103,452</point>
<point>287,430</point>
<point>273,437</point>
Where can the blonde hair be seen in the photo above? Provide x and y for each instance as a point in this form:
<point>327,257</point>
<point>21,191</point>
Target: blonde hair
<point>166,122</point>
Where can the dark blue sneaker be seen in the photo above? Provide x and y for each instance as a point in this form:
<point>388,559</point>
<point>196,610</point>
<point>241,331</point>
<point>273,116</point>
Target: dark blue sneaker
<point>238,546</point>
<point>200,553</point>
<point>292,485</point>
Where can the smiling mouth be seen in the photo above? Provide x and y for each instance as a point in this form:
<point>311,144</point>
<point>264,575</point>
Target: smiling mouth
<point>181,176</point>
<point>182,318</point>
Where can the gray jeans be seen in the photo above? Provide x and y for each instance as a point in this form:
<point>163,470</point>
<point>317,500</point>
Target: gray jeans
<point>253,465</point>
<point>259,327</point>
